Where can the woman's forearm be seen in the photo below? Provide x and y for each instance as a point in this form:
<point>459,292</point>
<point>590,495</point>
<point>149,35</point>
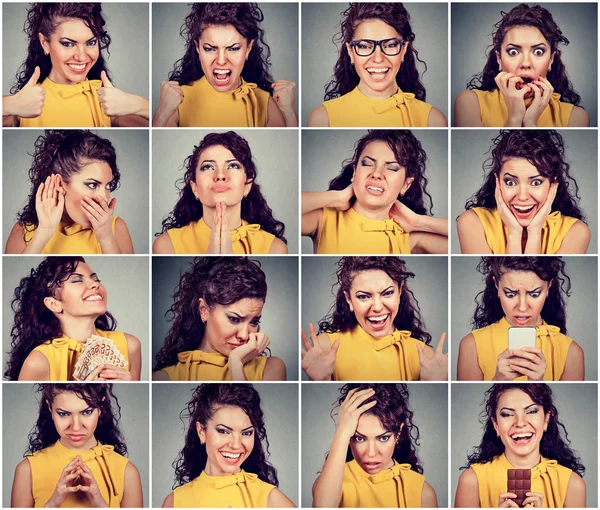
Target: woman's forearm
<point>38,242</point>
<point>313,200</point>
<point>110,246</point>
<point>290,118</point>
<point>434,225</point>
<point>236,370</point>
<point>534,243</point>
<point>327,489</point>
<point>513,244</point>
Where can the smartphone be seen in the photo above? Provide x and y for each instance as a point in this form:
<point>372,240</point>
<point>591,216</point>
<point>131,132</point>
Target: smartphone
<point>521,337</point>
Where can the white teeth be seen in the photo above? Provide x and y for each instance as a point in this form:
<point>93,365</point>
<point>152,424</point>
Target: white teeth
<point>95,297</point>
<point>521,436</point>
<point>523,208</point>
<point>222,71</point>
<point>379,318</point>
<point>79,67</point>
<point>233,456</point>
<point>378,70</point>
<point>375,188</point>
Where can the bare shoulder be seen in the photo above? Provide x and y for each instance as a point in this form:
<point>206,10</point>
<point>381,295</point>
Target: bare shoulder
<point>169,501</point>
<point>35,368</point>
<point>466,98</point>
<point>134,345</point>
<point>466,110</point>
<point>467,491</point>
<point>163,244</point>
<point>274,369</point>
<point>468,479</point>
<point>131,472</point>
<point>468,341</point>
<point>437,119</point>
<point>428,497</point>
<point>23,469</point>
<point>278,499</point>
<point>16,239</point>
<point>579,117</point>
<point>318,117</point>
<point>160,375</point>
<point>468,219</point>
<point>576,492</point>
<point>278,246</point>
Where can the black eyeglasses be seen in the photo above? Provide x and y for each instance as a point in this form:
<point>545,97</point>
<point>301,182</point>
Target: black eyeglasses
<point>365,47</point>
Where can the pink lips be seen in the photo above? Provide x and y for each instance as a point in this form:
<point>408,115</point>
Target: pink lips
<point>220,189</point>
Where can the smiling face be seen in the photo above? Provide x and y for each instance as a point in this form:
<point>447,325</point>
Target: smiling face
<point>75,421</point>
<point>372,445</point>
<point>223,51</point>
<point>229,440</point>
<point>522,296</point>
<point>523,189</point>
<point>73,50</point>
<point>374,299</point>
<point>377,72</point>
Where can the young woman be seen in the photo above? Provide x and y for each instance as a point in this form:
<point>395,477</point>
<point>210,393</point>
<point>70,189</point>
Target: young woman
<point>225,418</point>
<point>58,307</point>
<point>378,202</point>
<point>373,460</point>
<point>221,208</point>
<point>375,81</point>
<point>521,292</point>
<point>69,209</point>
<point>214,335</point>
<point>64,80</point>
<point>76,455</point>
<point>524,81</point>
<point>374,330</point>
<point>522,431</point>
<point>224,78</point>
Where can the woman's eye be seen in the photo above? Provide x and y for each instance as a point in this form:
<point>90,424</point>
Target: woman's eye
<point>505,415</point>
<point>384,439</point>
<point>206,167</point>
<point>362,297</point>
<point>235,166</point>
<point>534,294</point>
<point>234,320</point>
<point>358,439</point>
<point>537,182</point>
<point>393,168</point>
<point>66,44</point>
<point>87,412</point>
<point>532,411</point>
<point>388,293</point>
<point>510,295</point>
<point>62,415</point>
<point>92,43</point>
<point>92,185</point>
<point>248,433</point>
<point>236,48</point>
<point>255,324</point>
<point>512,52</point>
<point>222,431</point>
<point>539,52</point>
<point>510,182</point>
<point>208,48</point>
<point>366,162</point>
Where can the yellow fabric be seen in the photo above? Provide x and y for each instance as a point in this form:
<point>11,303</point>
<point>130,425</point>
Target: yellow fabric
<point>362,357</point>
<point>548,478</point>
<point>349,233</point>
<point>70,239</point>
<point>494,112</point>
<point>554,230</point>
<point>203,106</point>
<point>195,237</point>
<point>62,353</point>
<point>354,109</point>
<point>242,490</point>
<point>396,487</point>
<point>107,466</point>
<point>209,366</point>
<point>492,340</point>
<point>70,106</point>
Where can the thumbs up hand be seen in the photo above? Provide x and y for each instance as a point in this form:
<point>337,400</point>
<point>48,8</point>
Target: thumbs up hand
<point>29,101</point>
<point>114,101</point>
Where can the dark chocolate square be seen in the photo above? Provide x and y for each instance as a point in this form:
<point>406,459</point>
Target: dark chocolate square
<point>519,483</point>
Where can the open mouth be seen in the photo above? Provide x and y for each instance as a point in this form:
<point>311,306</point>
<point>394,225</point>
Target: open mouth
<point>222,76</point>
<point>378,322</point>
<point>378,73</point>
<point>522,320</point>
<point>371,466</point>
<point>231,458</point>
<point>375,190</point>
<point>78,68</point>
<point>94,297</point>
<point>522,437</point>
<point>523,211</point>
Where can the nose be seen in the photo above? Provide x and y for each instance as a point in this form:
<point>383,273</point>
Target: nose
<point>221,57</point>
<point>522,303</point>
<point>235,441</point>
<point>525,63</point>
<point>220,174</point>
<point>378,54</point>
<point>377,304</point>
<point>76,424</point>
<point>243,332</point>
<point>372,451</point>
<point>521,420</point>
<point>79,53</point>
<point>377,172</point>
<point>522,193</point>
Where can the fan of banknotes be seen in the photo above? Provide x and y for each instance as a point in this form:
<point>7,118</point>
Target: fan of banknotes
<point>97,351</point>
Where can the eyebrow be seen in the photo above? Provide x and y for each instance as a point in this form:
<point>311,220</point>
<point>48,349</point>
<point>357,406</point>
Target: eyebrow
<point>226,47</point>
<point>214,161</point>
<point>544,45</point>
<point>537,289</point>
<point>242,316</point>
<point>525,408</point>
<point>380,435</point>
<point>80,275</point>
<point>537,176</point>
<point>386,162</point>
<point>391,287</point>
<point>61,410</point>
<point>74,41</point>
<point>229,428</point>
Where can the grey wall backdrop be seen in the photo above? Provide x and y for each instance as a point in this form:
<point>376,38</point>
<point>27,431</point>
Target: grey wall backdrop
<point>20,411</point>
<point>279,315</point>
<point>582,317</point>
<point>281,33</point>
<point>429,402</point>
<point>577,411</point>
<point>472,26</point>
<point>471,149</point>
<point>128,26</point>
<point>133,202</point>
<point>324,151</point>
<point>279,403</point>
<point>127,287</point>
<point>275,154</point>
<point>321,22</point>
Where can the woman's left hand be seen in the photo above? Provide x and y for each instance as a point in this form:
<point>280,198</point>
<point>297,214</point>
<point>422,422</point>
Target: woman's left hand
<point>100,214</point>
<point>533,500</point>
<point>254,347</point>
<point>114,373</point>
<point>541,216</point>
<point>114,101</point>
<point>434,363</point>
<point>529,361</point>
<point>542,90</point>
<point>88,484</point>
<point>405,217</point>
<point>284,93</point>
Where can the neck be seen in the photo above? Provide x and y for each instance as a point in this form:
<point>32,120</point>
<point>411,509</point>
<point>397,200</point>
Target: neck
<point>87,446</point>
<point>205,345</point>
<point>212,471</point>
<point>373,213</point>
<point>233,214</point>
<point>375,94</point>
<point>528,461</point>
<point>79,329</point>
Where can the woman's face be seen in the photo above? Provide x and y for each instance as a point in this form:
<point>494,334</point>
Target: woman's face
<point>378,178</point>
<point>372,445</point>
<point>522,296</point>
<point>520,423</point>
<point>223,51</point>
<point>74,420</point>
<point>377,72</point>
<point>374,299</point>
<point>220,177</point>
<point>73,50</point>
<point>523,189</point>
<point>229,440</point>
<point>229,327</point>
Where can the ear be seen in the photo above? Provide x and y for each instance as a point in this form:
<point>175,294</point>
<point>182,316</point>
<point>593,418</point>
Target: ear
<point>551,59</point>
<point>349,50</point>
<point>499,60</point>
<point>45,44</point>
<point>495,282</point>
<point>407,184</point>
<point>546,421</point>
<point>204,309</point>
<point>194,188</point>
<point>403,51</point>
<point>201,431</point>
<point>49,406</point>
<point>247,188</point>
<point>197,47</point>
<point>347,297</point>
<point>53,304</point>
<point>249,49</point>
<point>400,288</point>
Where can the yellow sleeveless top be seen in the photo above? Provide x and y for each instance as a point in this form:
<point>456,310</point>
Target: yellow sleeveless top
<point>70,239</point>
<point>211,366</point>
<point>195,237</point>
<point>349,233</point>
<point>554,230</point>
<point>70,106</point>
<point>362,357</point>
<point>396,487</point>
<point>548,478</point>
<point>203,106</point>
<point>62,353</point>
<point>242,490</point>
<point>107,466</point>
<point>494,112</point>
<point>492,340</point>
<point>354,109</point>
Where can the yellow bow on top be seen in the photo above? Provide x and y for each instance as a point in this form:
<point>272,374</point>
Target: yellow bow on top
<point>238,478</point>
<point>243,234</point>
<point>85,87</point>
<point>246,93</point>
<point>389,227</point>
<point>100,453</point>
<point>69,343</point>
<point>396,337</point>
<point>399,98</point>
<point>388,474</point>
<point>547,330</point>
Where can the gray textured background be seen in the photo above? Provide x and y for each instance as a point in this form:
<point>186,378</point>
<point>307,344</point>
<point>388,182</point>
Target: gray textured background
<point>279,315</point>
<point>133,204</point>
<point>128,26</point>
<point>321,22</point>
<point>281,33</point>
<point>275,154</point>
<point>472,25</point>
<point>470,149</point>
<point>127,287</point>
<point>582,318</point>
<point>429,402</point>
<point>279,403</point>
<point>577,411</point>
<point>20,411</point>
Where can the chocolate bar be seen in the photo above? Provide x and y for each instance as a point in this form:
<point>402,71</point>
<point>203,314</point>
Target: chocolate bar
<point>519,483</point>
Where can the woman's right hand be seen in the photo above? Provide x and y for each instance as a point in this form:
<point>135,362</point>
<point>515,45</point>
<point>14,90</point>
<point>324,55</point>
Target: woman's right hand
<point>513,97</point>
<point>503,370</point>
<point>49,203</point>
<point>343,198</point>
<point>220,236</point>
<point>171,96</point>
<point>65,485</point>
<point>254,347</point>
<point>28,103</point>
<point>318,358</point>
<point>506,215</point>
<point>351,410</point>
<point>505,500</point>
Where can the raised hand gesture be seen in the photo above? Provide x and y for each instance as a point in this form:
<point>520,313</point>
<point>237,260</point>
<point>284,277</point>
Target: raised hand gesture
<point>318,357</point>
<point>434,363</point>
<point>351,410</point>
<point>49,204</point>
<point>29,102</point>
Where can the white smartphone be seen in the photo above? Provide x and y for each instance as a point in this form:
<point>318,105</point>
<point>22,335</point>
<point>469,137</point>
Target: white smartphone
<point>521,337</point>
